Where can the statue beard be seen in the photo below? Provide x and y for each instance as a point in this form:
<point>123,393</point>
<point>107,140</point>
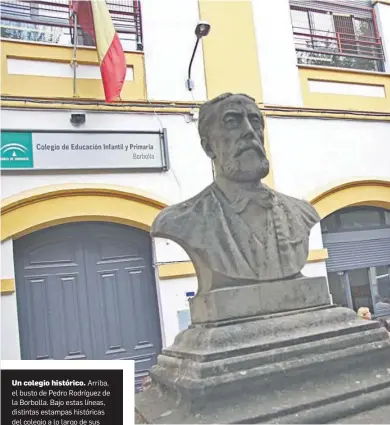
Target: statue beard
<point>248,167</point>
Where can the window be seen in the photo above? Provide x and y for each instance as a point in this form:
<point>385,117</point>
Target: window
<point>367,287</point>
<point>329,224</point>
<point>340,35</point>
<point>387,218</point>
<point>32,21</point>
<point>383,279</point>
<point>356,218</point>
<point>381,290</point>
<point>49,22</point>
<point>301,19</point>
<point>360,219</point>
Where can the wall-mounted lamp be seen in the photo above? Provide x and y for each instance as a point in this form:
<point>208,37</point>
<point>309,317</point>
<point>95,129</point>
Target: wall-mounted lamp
<point>201,30</point>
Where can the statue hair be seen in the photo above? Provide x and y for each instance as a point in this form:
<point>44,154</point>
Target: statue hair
<point>205,111</point>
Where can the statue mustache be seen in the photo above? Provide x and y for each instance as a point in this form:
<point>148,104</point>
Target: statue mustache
<point>248,147</point>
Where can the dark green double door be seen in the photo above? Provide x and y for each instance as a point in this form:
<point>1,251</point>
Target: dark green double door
<point>87,291</point>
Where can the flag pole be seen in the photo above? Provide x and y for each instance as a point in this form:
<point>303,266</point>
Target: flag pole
<point>74,62</point>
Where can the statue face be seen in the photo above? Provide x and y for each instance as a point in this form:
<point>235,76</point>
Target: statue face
<point>236,140</point>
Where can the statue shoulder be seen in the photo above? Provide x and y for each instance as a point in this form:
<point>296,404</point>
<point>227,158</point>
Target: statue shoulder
<point>306,210</point>
<point>175,220</point>
<point>309,213</point>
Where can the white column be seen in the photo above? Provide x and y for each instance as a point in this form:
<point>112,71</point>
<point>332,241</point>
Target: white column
<point>276,53</point>
<point>382,13</point>
<point>10,344</point>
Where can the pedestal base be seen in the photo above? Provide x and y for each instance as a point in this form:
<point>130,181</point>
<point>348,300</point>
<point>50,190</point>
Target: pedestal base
<point>259,299</point>
<point>311,365</point>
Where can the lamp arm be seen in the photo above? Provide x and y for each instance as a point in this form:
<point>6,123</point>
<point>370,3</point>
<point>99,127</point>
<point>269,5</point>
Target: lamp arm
<point>192,58</point>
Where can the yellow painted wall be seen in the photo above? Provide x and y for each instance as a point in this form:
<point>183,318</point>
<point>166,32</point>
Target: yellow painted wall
<point>7,286</point>
<point>230,50</point>
<point>57,204</point>
<point>341,101</point>
<point>351,193</point>
<point>54,87</point>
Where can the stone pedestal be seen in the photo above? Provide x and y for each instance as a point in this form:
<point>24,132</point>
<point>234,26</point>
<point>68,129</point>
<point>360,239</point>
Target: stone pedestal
<point>252,300</point>
<point>281,354</point>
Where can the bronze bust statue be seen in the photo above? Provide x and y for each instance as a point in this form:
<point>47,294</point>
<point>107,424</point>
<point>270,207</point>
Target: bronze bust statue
<point>237,230</point>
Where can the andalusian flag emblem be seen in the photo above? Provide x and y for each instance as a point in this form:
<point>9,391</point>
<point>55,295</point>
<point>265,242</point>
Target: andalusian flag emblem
<point>94,19</point>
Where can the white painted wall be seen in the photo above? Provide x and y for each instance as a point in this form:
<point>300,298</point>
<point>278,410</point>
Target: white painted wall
<point>10,347</point>
<point>382,12</point>
<point>7,260</point>
<point>168,251</point>
<point>315,269</point>
<point>169,39</point>
<point>315,241</point>
<point>311,154</point>
<point>276,53</point>
<point>173,299</point>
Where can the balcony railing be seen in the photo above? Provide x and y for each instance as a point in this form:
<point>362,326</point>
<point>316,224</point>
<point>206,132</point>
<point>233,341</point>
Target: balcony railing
<point>48,21</point>
<point>339,49</point>
<point>335,39</point>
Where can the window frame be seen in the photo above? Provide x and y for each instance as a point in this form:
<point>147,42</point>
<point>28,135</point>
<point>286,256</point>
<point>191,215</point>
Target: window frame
<point>369,53</point>
<point>337,228</point>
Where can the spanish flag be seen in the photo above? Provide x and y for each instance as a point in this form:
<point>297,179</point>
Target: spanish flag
<point>94,19</point>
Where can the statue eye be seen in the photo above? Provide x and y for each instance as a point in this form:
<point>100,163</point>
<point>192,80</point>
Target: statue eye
<point>256,122</point>
<point>231,121</point>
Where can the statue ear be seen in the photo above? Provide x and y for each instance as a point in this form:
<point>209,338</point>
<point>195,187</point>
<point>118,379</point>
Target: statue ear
<point>206,145</point>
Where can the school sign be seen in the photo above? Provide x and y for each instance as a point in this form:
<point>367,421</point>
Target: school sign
<point>82,150</point>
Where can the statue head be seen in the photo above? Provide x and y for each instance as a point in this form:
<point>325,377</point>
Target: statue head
<point>231,129</point>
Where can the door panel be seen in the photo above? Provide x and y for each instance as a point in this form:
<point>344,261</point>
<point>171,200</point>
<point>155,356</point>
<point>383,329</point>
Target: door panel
<point>70,310</point>
<point>49,272</point>
<point>55,253</point>
<point>41,344</point>
<point>87,290</point>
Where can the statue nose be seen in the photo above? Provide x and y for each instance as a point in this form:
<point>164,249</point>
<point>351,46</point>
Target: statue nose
<point>248,132</point>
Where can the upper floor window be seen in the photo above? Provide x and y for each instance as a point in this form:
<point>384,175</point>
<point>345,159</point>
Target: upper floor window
<point>356,218</point>
<point>336,33</point>
<point>49,22</point>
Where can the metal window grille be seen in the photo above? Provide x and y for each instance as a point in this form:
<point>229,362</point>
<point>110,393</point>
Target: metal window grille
<point>48,21</point>
<point>336,34</point>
